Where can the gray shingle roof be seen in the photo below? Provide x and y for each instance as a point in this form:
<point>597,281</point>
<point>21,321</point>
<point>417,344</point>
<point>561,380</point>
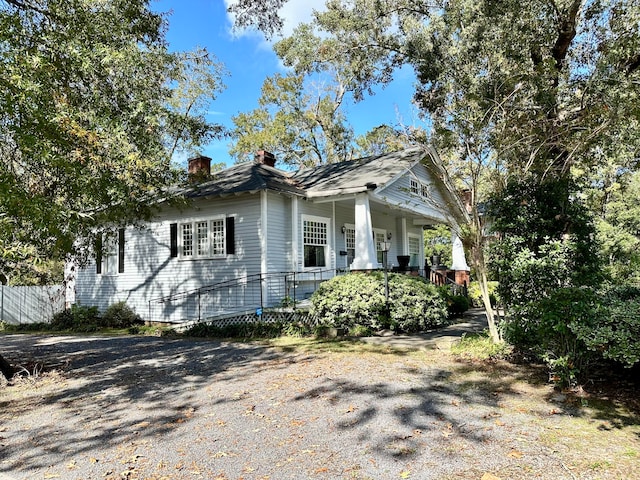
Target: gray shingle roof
<point>357,175</point>
<point>331,179</point>
<point>245,177</point>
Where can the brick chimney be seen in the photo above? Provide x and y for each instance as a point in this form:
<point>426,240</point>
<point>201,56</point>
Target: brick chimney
<point>265,158</point>
<point>199,168</point>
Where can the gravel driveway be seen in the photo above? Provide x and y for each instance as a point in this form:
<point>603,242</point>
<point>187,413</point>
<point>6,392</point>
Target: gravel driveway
<point>156,408</point>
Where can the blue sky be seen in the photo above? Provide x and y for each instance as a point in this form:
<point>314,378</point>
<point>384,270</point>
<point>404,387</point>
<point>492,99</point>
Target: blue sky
<point>249,59</point>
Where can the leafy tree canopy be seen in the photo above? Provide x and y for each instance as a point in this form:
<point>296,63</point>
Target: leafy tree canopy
<point>92,105</point>
<point>301,123</point>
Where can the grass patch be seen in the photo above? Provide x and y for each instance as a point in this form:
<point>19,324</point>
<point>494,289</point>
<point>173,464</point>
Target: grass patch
<point>328,345</point>
<point>480,346</point>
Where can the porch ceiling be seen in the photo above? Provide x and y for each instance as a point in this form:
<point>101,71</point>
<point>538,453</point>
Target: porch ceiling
<point>380,208</point>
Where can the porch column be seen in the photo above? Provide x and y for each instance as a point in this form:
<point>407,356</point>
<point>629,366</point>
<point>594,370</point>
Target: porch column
<point>366,258</point>
<point>459,261</point>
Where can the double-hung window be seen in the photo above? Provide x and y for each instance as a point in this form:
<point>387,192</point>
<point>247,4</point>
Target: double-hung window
<point>414,250</point>
<point>202,238</point>
<point>315,239</point>
<point>110,251</point>
<point>379,237</point>
<point>350,243</point>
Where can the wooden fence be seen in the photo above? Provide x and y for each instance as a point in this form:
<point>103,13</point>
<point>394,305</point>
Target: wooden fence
<point>30,304</point>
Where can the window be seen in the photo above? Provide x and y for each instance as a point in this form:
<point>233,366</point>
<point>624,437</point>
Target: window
<point>202,238</point>
<point>418,188</point>
<point>109,256</point>
<point>315,236</point>
<point>109,250</point>
<point>413,186</point>
<point>379,237</point>
<point>414,250</point>
<point>350,243</point>
<point>187,239</point>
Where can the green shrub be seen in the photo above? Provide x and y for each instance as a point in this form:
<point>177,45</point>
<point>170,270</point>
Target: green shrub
<point>457,305</point>
<point>615,332</point>
<point>548,328</point>
<point>120,315</point>
<point>360,331</point>
<point>249,330</point>
<point>574,328</point>
<point>358,299</point>
<point>348,300</point>
<point>475,295</point>
<point>77,318</point>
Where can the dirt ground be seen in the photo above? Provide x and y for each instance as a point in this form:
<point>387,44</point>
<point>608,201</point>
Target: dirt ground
<point>156,408</point>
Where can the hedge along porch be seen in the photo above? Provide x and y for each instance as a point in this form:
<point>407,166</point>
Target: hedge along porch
<point>254,220</point>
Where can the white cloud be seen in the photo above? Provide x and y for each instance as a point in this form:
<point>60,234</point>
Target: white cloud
<point>293,13</point>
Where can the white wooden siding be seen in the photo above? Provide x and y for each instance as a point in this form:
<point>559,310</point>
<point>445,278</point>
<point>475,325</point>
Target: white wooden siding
<point>279,233</point>
<point>399,193</point>
<point>150,272</point>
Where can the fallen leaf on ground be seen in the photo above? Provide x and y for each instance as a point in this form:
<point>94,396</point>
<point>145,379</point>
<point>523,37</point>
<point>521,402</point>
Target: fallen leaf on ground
<point>488,476</point>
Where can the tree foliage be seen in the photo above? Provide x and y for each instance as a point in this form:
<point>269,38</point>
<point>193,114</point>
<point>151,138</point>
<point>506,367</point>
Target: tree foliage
<point>301,123</point>
<point>89,118</point>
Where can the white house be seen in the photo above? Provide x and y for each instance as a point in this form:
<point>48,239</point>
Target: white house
<point>255,236</point>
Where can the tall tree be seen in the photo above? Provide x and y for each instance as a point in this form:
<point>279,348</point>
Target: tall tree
<point>87,126</point>
<point>87,123</point>
<point>300,122</point>
<point>513,88</point>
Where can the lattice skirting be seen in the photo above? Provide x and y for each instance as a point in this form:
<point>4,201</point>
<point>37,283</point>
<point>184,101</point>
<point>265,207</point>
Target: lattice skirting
<point>280,315</point>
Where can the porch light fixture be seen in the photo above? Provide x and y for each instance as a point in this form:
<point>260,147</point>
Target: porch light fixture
<point>344,229</point>
<point>389,235</point>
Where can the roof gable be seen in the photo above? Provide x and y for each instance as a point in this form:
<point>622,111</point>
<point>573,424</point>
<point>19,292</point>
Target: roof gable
<point>356,175</point>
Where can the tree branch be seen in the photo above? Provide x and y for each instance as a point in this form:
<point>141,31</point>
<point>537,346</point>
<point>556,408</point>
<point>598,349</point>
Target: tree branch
<point>566,33</point>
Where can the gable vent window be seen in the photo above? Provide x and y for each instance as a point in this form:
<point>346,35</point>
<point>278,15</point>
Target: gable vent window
<point>211,238</point>
<point>413,186</point>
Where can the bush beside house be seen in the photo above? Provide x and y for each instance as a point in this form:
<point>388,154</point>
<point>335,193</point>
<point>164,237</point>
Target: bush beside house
<point>358,300</point>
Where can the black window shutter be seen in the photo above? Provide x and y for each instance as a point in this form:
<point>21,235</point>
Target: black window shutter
<point>230,231</point>
<point>173,233</point>
<point>98,248</point>
<point>121,250</point>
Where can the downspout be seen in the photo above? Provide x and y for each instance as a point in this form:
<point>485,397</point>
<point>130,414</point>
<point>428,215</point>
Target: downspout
<point>263,245</point>
<point>334,260</point>
<point>295,233</point>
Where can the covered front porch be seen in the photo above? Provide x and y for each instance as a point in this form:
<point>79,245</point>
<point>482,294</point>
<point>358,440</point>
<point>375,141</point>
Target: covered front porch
<point>371,233</point>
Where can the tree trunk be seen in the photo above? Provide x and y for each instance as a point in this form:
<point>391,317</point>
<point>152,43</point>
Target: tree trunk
<point>483,283</point>
<point>6,368</point>
<point>476,243</point>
